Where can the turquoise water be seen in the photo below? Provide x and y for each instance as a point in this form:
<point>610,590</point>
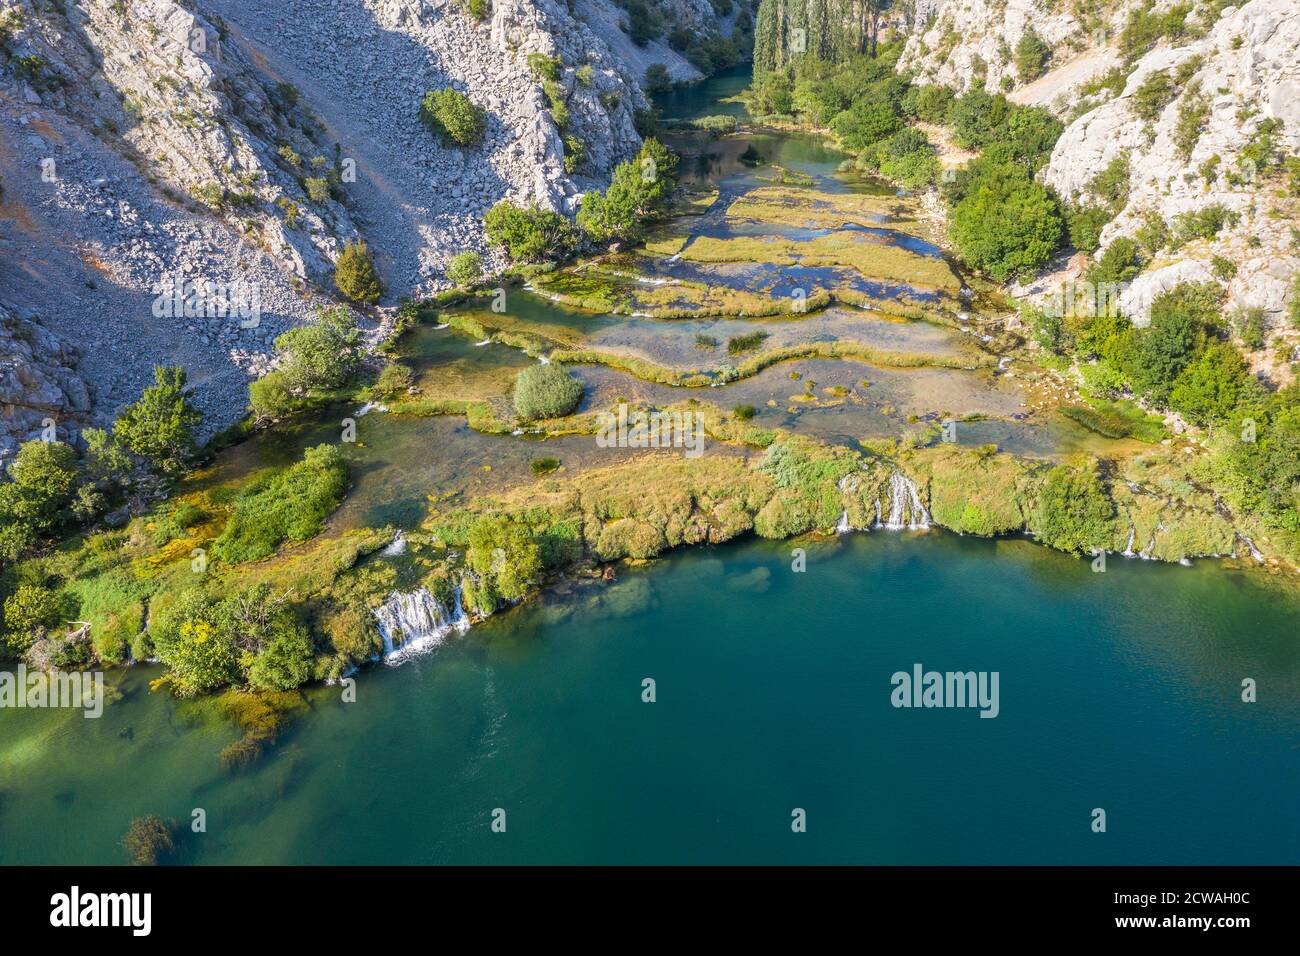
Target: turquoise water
<point>1117,690</point>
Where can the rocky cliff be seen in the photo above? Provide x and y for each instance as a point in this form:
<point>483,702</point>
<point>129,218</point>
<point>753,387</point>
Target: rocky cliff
<point>238,143</point>
<point>1184,111</point>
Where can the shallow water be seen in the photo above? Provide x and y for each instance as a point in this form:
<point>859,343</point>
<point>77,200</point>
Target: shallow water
<point>1118,690</point>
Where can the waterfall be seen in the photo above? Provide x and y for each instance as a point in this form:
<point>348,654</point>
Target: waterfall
<point>1128,548</point>
<point>395,547</point>
<point>1250,546</point>
<point>415,621</point>
<point>842,526</point>
<point>905,508</point>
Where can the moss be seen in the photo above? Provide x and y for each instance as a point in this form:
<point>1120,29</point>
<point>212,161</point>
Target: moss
<point>974,491</point>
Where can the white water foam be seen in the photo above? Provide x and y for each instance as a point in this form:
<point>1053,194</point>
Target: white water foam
<point>415,622</point>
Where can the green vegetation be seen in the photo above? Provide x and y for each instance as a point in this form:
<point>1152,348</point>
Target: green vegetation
<point>1004,223</point>
<point>452,115</point>
<point>638,191</point>
<point>355,274</point>
<point>1032,55</point>
<point>465,269</point>
<point>529,234</point>
<point>160,425</point>
<point>291,505</point>
<point>317,357</point>
<point>545,391</point>
<point>149,840</point>
<point>1073,512</point>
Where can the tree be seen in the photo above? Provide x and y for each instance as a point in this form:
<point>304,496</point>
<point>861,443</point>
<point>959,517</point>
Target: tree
<point>657,79</point>
<point>271,397</point>
<point>321,355</point>
<point>1073,511</point>
<point>1210,387</point>
<point>528,234</point>
<point>160,426</point>
<point>465,269</point>
<point>1006,225</point>
<point>639,190</point>
<point>28,613</point>
<point>1032,55</point>
<point>545,391</point>
<point>200,656</point>
<point>453,116</point>
<point>1121,262</point>
<point>505,559</point>
<point>865,123</point>
<point>355,274</point>
<point>1180,321</point>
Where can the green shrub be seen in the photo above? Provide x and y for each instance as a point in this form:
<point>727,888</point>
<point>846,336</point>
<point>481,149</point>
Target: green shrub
<point>291,506</point>
<point>149,840</point>
<point>394,380</point>
<point>1084,224</point>
<point>528,235</point>
<point>160,425</point>
<point>321,355</point>
<point>355,274</point>
<point>545,67</point>
<point>506,561</point>
<point>1032,55</point>
<point>1112,183</point>
<point>1121,262</point>
<point>1204,223</point>
<point>657,79</point>
<point>1073,511</point>
<point>543,466</point>
<point>452,115</point>
<point>638,191</point>
<point>465,269</point>
<point>1156,92</point>
<point>1209,388</point>
<point>478,10</point>
<point>1006,224</point>
<point>744,412</point>
<point>29,613</point>
<point>318,189</point>
<point>1153,234</point>
<point>749,342</point>
<point>545,391</point>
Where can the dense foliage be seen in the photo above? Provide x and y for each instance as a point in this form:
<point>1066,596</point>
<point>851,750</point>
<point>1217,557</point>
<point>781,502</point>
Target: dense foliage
<point>160,425</point>
<point>638,191</point>
<point>545,391</point>
<point>355,274</point>
<point>453,116</point>
<point>527,233</point>
<point>291,505</point>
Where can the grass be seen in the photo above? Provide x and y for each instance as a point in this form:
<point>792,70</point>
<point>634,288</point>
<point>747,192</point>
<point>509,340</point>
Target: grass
<point>1117,420</point>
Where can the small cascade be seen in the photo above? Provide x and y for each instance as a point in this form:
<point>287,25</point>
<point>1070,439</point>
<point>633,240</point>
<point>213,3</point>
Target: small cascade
<point>905,508</point>
<point>1250,546</point>
<point>369,407</point>
<point>486,341</point>
<point>415,622</point>
<point>848,485</point>
<point>543,360</point>
<point>1128,551</point>
<point>395,547</point>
